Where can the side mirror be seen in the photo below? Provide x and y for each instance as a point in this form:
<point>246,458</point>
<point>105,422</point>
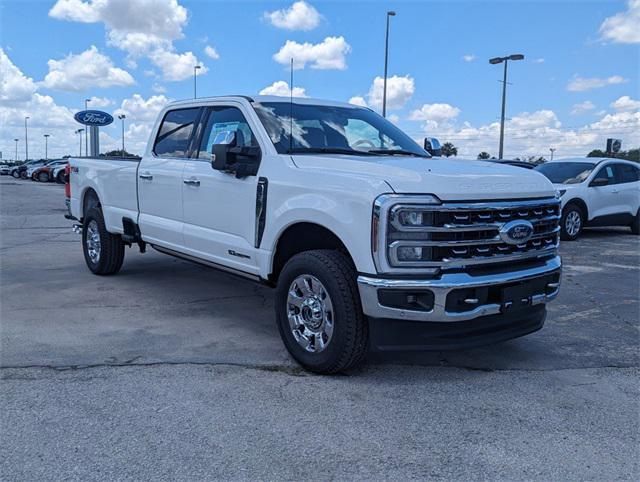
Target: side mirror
<point>242,161</point>
<point>600,181</point>
<point>432,146</point>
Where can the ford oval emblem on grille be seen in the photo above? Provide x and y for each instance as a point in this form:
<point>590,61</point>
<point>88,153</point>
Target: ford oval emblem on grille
<point>516,232</point>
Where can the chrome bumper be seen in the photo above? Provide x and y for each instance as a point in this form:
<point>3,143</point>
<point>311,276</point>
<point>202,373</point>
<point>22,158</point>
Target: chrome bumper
<point>369,286</point>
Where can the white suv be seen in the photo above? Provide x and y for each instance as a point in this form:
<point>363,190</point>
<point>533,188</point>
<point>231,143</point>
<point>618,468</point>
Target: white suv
<point>595,192</point>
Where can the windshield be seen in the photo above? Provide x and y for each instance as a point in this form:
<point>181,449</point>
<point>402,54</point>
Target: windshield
<point>566,172</point>
<point>331,129</point>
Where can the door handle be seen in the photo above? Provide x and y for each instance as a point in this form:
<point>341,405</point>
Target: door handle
<point>192,182</point>
<point>146,175</point>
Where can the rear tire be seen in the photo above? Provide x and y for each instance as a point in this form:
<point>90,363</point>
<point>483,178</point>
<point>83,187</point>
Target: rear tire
<point>103,251</point>
<point>571,222</point>
<point>43,177</point>
<point>635,225</point>
<point>60,178</point>
<point>332,295</point>
<point>16,174</point>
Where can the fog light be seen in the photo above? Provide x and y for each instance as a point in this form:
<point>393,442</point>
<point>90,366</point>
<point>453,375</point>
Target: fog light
<point>409,253</point>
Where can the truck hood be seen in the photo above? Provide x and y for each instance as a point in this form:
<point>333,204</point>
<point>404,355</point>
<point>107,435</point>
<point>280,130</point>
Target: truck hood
<point>448,179</point>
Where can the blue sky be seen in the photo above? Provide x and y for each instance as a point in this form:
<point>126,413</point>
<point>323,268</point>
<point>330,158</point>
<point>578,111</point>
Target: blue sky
<point>577,86</point>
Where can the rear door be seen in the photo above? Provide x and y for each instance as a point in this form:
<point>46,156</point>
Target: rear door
<point>219,208</point>
<point>160,179</point>
<point>628,186</point>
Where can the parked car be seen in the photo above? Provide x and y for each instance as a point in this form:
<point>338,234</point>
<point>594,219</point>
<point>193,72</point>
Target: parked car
<point>366,239</point>
<point>20,171</point>
<point>595,192</point>
<point>5,169</point>
<point>46,173</point>
<point>59,173</point>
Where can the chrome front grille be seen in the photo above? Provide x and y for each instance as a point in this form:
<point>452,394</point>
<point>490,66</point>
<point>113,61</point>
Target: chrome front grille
<point>460,234</point>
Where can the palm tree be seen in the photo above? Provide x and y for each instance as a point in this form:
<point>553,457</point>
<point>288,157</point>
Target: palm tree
<point>484,155</point>
<point>448,149</point>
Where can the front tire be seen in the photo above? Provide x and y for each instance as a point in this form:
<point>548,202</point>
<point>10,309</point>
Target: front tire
<point>319,314</point>
<point>16,174</point>
<point>103,251</point>
<point>571,222</point>
<point>635,225</point>
<point>43,177</point>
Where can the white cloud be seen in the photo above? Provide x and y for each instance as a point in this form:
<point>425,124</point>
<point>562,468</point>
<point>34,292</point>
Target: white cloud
<point>299,16</point>
<point>582,107</point>
<point>581,84</point>
<point>328,54</point>
<point>139,27</point>
<point>399,91</point>
<point>538,61</point>
<point>435,112</point>
<point>211,52</point>
<point>176,66</point>
<point>88,69</point>
<point>393,118</point>
<point>623,27</point>
<point>158,89</point>
<point>14,85</point>
<point>281,89</point>
<point>358,100</point>
<point>138,109</point>
<point>626,103</point>
<point>469,57</point>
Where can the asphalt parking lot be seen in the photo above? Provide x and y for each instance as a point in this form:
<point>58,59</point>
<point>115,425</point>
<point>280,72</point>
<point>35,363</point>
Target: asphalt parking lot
<point>175,371</point>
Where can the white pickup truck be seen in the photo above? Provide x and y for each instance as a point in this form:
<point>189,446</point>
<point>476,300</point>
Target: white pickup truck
<point>368,240</point>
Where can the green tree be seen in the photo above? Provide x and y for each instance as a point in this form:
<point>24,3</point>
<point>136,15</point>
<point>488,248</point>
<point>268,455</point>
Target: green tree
<point>118,153</point>
<point>484,155</point>
<point>448,149</point>
<point>630,155</point>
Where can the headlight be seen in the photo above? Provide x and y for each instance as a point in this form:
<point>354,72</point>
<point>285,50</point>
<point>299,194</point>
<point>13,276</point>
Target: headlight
<point>401,234</point>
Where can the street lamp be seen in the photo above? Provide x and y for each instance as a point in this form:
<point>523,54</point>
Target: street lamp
<point>499,60</point>
<point>26,140</point>
<point>86,138</point>
<point>79,131</point>
<point>552,149</point>
<point>390,13</point>
<point>46,146</point>
<point>195,71</point>
<point>16,158</point>
<point>122,117</point>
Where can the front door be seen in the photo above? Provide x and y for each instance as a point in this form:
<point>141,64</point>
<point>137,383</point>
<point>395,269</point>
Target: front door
<point>220,209</point>
<point>160,180</point>
<point>604,200</point>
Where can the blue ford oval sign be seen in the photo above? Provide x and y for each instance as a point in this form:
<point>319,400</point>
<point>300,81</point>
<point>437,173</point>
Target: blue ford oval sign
<point>93,118</point>
<point>516,232</point>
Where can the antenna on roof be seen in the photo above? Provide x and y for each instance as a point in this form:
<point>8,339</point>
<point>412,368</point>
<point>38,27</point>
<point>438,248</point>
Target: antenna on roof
<point>291,109</point>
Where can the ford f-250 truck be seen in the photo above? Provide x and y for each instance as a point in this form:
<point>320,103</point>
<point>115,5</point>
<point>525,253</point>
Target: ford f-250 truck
<point>366,238</point>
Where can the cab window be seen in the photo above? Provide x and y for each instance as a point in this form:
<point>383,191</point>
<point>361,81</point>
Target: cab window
<point>627,173</point>
<point>222,123</point>
<point>175,133</point>
<point>606,173</point>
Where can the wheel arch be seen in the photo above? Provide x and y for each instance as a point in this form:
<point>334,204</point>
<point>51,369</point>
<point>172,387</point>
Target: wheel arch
<point>89,199</point>
<point>299,237</point>
<point>581,204</point>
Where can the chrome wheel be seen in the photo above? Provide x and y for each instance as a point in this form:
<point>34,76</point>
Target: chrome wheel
<point>310,313</point>
<point>93,241</point>
<point>573,223</point>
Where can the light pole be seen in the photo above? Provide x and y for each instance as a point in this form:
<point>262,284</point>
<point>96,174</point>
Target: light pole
<point>390,13</point>
<point>122,117</point>
<point>552,149</point>
<point>499,60</point>
<point>46,146</point>
<point>79,131</point>
<point>16,158</point>
<point>195,73</point>
<point>86,138</point>
<point>26,140</point>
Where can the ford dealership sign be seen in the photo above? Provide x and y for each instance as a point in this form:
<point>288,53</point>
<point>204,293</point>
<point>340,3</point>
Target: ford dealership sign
<point>93,118</point>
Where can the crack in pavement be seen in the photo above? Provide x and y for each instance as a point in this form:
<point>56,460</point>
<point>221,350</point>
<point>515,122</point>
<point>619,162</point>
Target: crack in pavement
<point>293,370</point>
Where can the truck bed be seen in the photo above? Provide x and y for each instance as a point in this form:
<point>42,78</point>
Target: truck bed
<point>115,178</point>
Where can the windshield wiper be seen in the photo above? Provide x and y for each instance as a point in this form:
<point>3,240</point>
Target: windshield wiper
<point>330,150</point>
<point>397,152</point>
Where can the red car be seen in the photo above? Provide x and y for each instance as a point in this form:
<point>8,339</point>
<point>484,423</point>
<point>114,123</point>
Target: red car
<point>46,173</point>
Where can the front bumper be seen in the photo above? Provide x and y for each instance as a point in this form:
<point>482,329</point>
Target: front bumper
<point>546,276</point>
